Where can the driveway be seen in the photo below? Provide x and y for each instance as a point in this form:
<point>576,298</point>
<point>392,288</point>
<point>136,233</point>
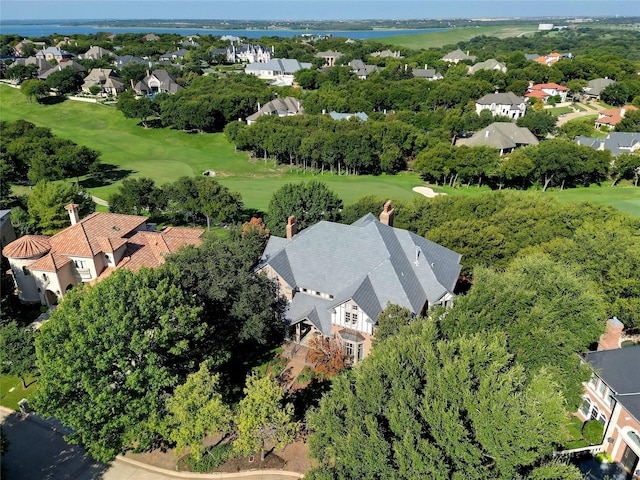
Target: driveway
<point>591,109</point>
<point>38,451</point>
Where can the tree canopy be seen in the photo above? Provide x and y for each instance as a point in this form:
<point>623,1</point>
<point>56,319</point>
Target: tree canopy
<point>310,202</point>
<point>423,407</point>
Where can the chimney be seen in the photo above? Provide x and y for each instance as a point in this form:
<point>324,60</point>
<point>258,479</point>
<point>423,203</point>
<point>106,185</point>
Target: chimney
<point>425,66</point>
<point>610,340</point>
<point>386,216</point>
<point>74,216</point>
<point>292,228</point>
<point>132,85</point>
<point>148,74</point>
<point>486,134</point>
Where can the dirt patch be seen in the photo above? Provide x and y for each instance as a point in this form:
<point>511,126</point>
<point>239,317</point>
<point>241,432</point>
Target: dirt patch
<point>427,192</point>
<point>238,464</point>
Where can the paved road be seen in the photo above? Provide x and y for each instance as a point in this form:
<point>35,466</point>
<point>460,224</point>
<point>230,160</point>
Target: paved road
<point>578,114</point>
<point>37,451</point>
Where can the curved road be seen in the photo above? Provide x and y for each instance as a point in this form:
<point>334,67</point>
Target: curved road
<point>38,451</point>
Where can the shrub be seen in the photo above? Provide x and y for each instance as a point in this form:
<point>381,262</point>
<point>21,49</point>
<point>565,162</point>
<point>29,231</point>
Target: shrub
<point>212,458</point>
<point>306,375</point>
<point>592,431</point>
<point>604,457</point>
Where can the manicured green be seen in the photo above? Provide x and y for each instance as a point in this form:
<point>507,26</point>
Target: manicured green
<point>165,155</point>
<point>9,398</point>
<point>455,35</point>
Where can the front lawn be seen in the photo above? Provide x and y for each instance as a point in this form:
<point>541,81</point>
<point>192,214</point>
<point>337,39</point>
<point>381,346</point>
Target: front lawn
<point>11,390</point>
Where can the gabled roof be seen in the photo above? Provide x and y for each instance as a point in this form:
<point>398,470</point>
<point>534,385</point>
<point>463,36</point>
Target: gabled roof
<point>50,263</point>
<point>548,86</point>
<point>278,65</point>
<point>430,73</point>
<point>166,81</point>
<point>595,87</point>
<point>501,135</point>
<point>620,370</point>
<point>346,116</point>
<point>75,66</point>
<point>148,249</point>
<point>508,98</point>
<point>491,64</point>
<point>96,52</point>
<point>40,62</point>
<point>28,246</point>
<point>126,59</point>
<point>613,116</point>
<point>368,261</point>
<point>279,106</point>
<point>458,55</point>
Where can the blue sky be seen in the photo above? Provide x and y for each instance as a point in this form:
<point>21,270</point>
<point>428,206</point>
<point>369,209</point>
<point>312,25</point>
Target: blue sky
<point>309,9</point>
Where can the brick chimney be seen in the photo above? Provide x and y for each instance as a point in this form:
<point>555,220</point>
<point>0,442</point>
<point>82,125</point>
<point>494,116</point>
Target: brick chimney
<point>386,216</point>
<point>610,340</point>
<point>74,216</point>
<point>292,228</point>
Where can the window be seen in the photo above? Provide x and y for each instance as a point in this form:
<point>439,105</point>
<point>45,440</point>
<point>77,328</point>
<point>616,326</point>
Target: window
<point>360,355</point>
<point>601,388</point>
<point>602,419</point>
<point>592,381</point>
<point>354,318</point>
<point>44,277</point>
<point>79,263</point>
<point>594,413</point>
<point>612,401</point>
<point>354,307</point>
<point>348,348</point>
<point>585,407</point>
<point>25,271</point>
<point>347,317</point>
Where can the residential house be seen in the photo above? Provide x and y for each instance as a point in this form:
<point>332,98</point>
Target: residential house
<point>107,79</point>
<point>491,64</point>
<point>277,69</point>
<point>612,396</point>
<point>330,57</point>
<point>505,104</point>
<point>95,52</point>
<point>282,107</point>
<point>616,142</point>
<point>457,56</point>
<point>543,91</point>
<point>387,54</point>
<point>549,59</point>
<point>248,53</point>
<point>190,41</point>
<point>361,70</point>
<point>72,64</point>
<point>54,53</point>
<point>7,233</point>
<point>427,73</point>
<point>338,278</point>
<point>506,137</point>
<point>346,116</point>
<point>18,48</point>
<point>158,81</point>
<point>45,268</point>
<point>613,116</point>
<point>41,64</point>
<point>595,87</point>
<point>150,37</point>
<point>121,61</point>
<point>177,55</point>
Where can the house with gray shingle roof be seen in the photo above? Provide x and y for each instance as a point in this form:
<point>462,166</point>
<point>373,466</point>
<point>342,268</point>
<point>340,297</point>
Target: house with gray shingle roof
<point>177,55</point>
<point>158,81</point>
<point>54,53</point>
<point>42,65</point>
<point>504,104</point>
<point>427,73</point>
<point>282,107</point>
<point>595,87</point>
<point>491,64</point>
<point>277,69</point>
<point>501,135</point>
<point>95,52</point>
<point>362,70</point>
<point>338,278</point>
<point>616,142</point>
<point>457,56</point>
<point>612,397</point>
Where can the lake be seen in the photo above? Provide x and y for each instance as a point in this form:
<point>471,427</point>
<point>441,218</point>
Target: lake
<point>44,30</point>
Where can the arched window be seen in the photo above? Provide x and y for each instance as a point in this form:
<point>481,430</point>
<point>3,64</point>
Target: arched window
<point>585,407</point>
<point>602,419</point>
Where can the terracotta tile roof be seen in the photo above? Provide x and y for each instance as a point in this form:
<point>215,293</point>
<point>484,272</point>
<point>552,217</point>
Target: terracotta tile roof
<point>83,238</point>
<point>535,94</point>
<point>555,86</point>
<point>613,116</point>
<point>148,249</point>
<point>28,246</point>
<point>50,263</point>
<point>111,244</point>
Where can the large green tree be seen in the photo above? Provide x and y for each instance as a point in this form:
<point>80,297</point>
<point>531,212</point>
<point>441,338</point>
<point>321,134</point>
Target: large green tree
<point>111,355</point>
<point>196,409</point>
<point>17,352</point>
<point>549,311</point>
<point>310,202</point>
<point>262,417</point>
<point>47,201</point>
<point>423,407</point>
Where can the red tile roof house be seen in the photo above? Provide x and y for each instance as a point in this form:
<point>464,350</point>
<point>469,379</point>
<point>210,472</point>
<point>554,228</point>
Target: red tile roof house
<point>45,268</point>
<point>545,90</point>
<point>610,118</point>
<point>612,396</point>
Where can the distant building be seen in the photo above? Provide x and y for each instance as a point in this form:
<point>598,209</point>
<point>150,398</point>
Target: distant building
<point>427,73</point>
<point>543,91</point>
<point>491,64</point>
<point>506,137</point>
<point>361,70</point>
<point>158,81</point>
<point>613,116</point>
<point>615,142</point>
<point>595,87</point>
<point>504,104</point>
<point>346,116</point>
<point>282,107</point>
<point>330,57</point>
<point>277,69</point>
<point>457,56</point>
<point>545,26</point>
<point>387,54</point>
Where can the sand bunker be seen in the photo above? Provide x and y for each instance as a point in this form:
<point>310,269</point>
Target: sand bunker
<point>426,191</point>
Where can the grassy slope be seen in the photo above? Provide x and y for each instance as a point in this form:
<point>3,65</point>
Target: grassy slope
<point>165,154</point>
<point>453,36</point>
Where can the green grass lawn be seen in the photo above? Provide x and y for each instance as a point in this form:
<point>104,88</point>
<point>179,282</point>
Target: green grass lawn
<point>455,35</point>
<point>10,398</point>
<point>165,155</point>
<point>558,110</point>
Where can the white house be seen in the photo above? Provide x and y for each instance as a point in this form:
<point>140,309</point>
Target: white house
<point>277,69</point>
<point>503,104</point>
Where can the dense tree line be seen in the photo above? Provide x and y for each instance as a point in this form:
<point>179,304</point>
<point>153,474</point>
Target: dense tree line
<point>493,229</point>
<point>29,153</point>
<point>557,162</point>
<point>188,199</point>
<point>321,143</point>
